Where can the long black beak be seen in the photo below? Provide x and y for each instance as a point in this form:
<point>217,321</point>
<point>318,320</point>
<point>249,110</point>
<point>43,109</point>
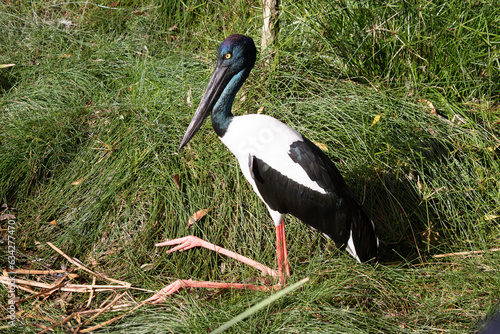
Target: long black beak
<point>220,79</point>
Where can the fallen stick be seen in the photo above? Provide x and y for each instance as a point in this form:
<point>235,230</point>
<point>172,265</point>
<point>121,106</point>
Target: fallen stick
<point>35,272</point>
<point>6,280</point>
<point>83,288</point>
<point>466,253</point>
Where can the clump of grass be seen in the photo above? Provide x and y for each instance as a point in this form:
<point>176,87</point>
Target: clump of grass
<point>427,48</point>
<point>204,23</point>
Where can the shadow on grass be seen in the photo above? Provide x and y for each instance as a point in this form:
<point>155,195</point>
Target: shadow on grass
<point>396,205</point>
<point>7,80</point>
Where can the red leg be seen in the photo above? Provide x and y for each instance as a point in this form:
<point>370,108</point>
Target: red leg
<point>192,241</point>
<point>189,242</point>
<point>285,251</point>
<point>279,254</point>
<point>181,284</point>
<point>282,253</point>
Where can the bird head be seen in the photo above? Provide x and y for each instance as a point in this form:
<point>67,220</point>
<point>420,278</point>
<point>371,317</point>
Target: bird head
<point>235,58</point>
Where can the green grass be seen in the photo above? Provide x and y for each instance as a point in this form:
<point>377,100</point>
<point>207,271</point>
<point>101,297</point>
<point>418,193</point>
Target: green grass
<point>105,101</point>
<point>430,48</point>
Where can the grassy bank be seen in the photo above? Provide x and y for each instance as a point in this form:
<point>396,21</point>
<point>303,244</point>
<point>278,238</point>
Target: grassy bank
<point>405,98</point>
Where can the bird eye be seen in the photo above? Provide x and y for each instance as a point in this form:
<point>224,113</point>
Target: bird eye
<point>227,56</point>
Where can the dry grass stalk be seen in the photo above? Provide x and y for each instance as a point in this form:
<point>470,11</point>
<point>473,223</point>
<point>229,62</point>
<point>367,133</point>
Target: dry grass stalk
<point>105,323</point>
<point>35,272</point>
<point>104,309</point>
<point>63,284</point>
<point>91,292</point>
<point>64,321</point>
<point>82,288</point>
<point>465,253</point>
<point>76,263</point>
<point>47,292</point>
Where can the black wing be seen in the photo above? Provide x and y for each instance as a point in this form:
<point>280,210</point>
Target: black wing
<point>335,213</point>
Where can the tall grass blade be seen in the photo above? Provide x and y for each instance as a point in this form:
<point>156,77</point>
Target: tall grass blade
<point>257,307</point>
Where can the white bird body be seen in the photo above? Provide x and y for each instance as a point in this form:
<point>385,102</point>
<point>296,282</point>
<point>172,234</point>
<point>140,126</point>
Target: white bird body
<point>268,139</point>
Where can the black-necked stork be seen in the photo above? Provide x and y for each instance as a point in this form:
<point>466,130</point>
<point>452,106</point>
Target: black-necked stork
<point>288,172</point>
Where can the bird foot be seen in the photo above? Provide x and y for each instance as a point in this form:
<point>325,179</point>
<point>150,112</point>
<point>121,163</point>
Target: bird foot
<point>191,241</point>
<point>168,290</point>
<point>182,284</point>
<point>184,243</point>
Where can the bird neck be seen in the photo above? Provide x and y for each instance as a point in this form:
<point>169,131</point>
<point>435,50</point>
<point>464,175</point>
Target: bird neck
<point>221,114</point>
